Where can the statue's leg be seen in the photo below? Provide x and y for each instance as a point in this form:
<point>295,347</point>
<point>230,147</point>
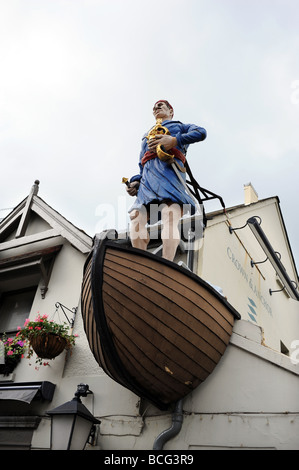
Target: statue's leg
<point>170,234</point>
<point>138,231</point>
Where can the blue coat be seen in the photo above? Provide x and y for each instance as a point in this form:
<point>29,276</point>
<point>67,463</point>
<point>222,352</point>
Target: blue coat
<point>158,181</point>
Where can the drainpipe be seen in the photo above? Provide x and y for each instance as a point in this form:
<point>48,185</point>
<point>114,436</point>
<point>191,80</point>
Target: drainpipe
<point>177,420</point>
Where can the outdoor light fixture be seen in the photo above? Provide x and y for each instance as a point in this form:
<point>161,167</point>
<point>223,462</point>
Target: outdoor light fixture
<point>256,229</point>
<point>72,423</point>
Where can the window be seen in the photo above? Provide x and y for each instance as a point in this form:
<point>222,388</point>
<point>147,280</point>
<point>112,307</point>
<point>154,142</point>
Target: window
<point>15,307</point>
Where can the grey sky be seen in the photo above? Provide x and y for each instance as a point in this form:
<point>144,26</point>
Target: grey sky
<point>79,79</point>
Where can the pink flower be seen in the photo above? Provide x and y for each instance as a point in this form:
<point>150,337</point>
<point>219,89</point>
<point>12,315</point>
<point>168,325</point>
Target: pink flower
<point>9,353</point>
<point>26,322</point>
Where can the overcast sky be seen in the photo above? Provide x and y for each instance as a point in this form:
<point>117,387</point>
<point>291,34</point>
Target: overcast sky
<point>79,78</point>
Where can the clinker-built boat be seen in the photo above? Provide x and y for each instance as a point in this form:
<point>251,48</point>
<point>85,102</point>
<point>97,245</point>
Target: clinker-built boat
<point>153,326</point>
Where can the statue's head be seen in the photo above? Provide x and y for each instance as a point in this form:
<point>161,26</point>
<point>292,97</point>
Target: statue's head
<point>163,109</point>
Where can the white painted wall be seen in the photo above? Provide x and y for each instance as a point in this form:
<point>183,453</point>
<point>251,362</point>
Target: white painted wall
<point>226,263</point>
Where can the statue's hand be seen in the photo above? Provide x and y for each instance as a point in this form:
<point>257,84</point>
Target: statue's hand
<point>132,189</point>
<point>167,141</point>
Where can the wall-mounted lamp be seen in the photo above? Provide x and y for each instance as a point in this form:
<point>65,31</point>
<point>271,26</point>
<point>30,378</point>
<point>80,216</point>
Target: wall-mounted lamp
<point>72,423</point>
<point>258,232</point>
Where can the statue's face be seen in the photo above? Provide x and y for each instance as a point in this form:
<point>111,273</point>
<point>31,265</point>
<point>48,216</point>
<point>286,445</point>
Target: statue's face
<point>161,111</point>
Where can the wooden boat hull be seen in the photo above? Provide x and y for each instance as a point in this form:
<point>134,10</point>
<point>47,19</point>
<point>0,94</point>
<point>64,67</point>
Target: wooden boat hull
<point>154,327</point>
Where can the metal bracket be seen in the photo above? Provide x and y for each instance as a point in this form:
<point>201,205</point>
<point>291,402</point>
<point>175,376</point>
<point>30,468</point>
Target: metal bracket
<point>231,229</point>
<point>73,310</point>
<point>252,263</point>
<point>272,291</point>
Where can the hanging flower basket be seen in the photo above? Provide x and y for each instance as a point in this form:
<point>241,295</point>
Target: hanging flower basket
<point>9,366</point>
<point>13,351</point>
<point>46,338</point>
<point>48,346</point>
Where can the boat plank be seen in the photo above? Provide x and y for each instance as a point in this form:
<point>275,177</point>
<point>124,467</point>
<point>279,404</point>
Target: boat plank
<point>150,290</point>
<point>140,366</point>
<point>153,384</point>
<point>153,340</point>
<point>160,320</point>
<point>162,391</point>
<point>176,279</point>
<point>179,283</point>
<point>162,369</point>
<point>90,326</point>
<point>91,329</point>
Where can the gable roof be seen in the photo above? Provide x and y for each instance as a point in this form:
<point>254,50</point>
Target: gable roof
<point>14,227</point>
